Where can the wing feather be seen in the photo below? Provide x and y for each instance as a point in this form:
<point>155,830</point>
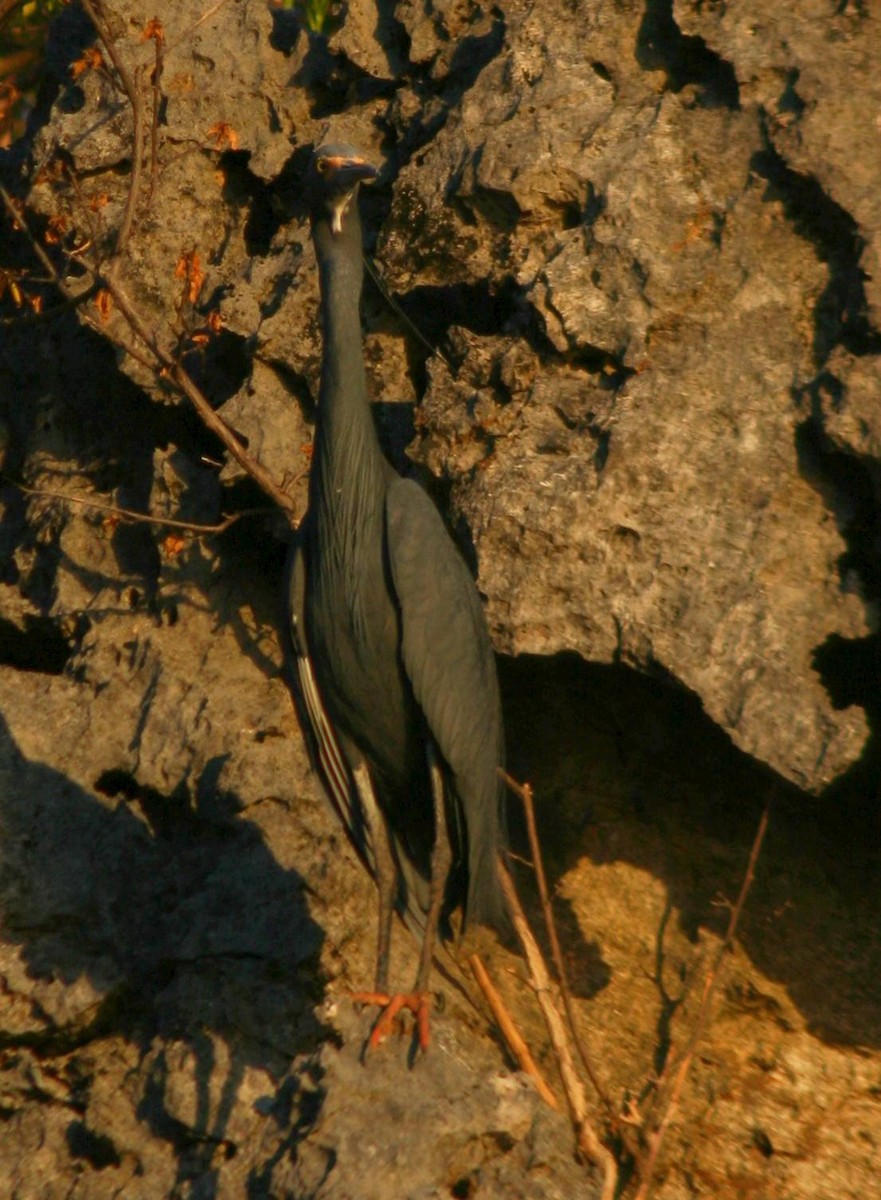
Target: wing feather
<point>449,661</point>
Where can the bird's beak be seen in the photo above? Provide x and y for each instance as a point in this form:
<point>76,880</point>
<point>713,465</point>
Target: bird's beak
<point>349,171</point>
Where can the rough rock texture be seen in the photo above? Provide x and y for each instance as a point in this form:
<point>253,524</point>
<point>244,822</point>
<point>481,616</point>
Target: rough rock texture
<point>634,252</point>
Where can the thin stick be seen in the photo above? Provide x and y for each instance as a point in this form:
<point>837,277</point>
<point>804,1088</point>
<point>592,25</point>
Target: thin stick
<point>128,514</point>
<point>510,1032</point>
<point>132,87</point>
<point>710,981</point>
<point>396,308</point>
<point>587,1140</point>
<point>185,384</point>
<point>173,369</point>
<point>155,77</point>
<point>76,299</point>
<point>524,791</point>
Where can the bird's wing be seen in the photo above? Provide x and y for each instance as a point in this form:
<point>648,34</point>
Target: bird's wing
<point>325,749</point>
<point>449,661</point>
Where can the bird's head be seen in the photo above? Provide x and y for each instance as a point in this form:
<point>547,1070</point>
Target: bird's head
<point>335,172</point>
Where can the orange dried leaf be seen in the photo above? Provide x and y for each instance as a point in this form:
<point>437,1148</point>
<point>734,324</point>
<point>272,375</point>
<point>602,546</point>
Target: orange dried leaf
<point>196,278</point>
<point>214,321</point>
<point>36,303</point>
<point>98,202</point>
<point>89,61</point>
<point>172,545</point>
<point>189,269</point>
<point>200,339</point>
<point>154,29</point>
<point>224,136</point>
<point>306,450</point>
<point>104,304</point>
<point>56,227</point>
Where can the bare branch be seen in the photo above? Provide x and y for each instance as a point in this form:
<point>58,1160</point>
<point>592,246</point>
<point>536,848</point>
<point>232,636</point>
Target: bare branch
<point>510,1032</point>
<point>129,514</point>
<point>162,363</point>
<point>524,791</point>
<point>132,85</point>
<point>711,979</point>
<point>588,1141</point>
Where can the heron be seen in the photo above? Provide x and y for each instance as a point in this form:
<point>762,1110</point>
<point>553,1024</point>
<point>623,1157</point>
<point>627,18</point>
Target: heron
<point>394,668</point>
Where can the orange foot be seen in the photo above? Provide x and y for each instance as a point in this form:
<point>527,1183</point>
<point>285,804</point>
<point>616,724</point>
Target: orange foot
<point>419,1003</point>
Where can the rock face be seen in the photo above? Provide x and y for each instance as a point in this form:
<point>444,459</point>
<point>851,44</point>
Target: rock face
<point>634,254</point>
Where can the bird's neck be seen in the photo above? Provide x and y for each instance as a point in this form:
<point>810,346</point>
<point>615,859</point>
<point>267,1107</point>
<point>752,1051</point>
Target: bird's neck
<point>347,460</point>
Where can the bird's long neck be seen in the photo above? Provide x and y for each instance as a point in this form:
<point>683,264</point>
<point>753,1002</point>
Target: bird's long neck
<point>348,469</point>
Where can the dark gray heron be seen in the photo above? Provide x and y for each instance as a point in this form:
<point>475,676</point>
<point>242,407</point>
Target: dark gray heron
<point>394,668</point>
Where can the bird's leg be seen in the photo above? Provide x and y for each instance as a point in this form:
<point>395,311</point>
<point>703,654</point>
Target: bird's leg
<point>441,859</point>
<point>419,1000</point>
<point>386,873</point>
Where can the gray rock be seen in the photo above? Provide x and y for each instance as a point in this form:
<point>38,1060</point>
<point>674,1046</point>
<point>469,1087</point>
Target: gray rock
<point>642,244</point>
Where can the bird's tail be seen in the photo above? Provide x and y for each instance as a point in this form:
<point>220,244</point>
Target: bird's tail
<point>485,903</point>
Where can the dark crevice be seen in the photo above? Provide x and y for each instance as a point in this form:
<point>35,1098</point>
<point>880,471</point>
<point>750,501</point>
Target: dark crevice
<point>242,187</point>
<point>221,366</point>
<point>790,101</point>
<point>496,206</point>
<point>471,55</point>
<point>287,29</point>
<point>851,489</point>
<point>440,95</point>
<point>662,46</point>
<point>169,815</point>
<point>335,83</point>
<point>392,35</point>
<point>849,668</point>
<point>97,1149</point>
<point>611,370</point>
<point>483,308</point>
<point>39,646</point>
<point>274,203</point>
<point>841,313</point>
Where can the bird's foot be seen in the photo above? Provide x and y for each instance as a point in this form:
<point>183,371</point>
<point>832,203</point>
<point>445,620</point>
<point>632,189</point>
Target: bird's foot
<point>418,1003</point>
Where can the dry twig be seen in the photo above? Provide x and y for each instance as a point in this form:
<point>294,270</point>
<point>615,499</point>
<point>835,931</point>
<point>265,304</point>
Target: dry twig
<point>131,84</point>
<point>646,1168</point>
<point>129,514</point>
<point>158,361</point>
<point>510,1032</point>
<point>106,277</point>
<point>588,1142</point>
<point>524,791</point>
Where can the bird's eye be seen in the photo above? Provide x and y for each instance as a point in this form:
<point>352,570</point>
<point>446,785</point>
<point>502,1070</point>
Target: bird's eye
<point>321,166</point>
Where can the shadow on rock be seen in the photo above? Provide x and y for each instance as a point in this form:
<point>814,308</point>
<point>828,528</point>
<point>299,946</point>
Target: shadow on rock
<point>162,951</point>
<point>629,770</point>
